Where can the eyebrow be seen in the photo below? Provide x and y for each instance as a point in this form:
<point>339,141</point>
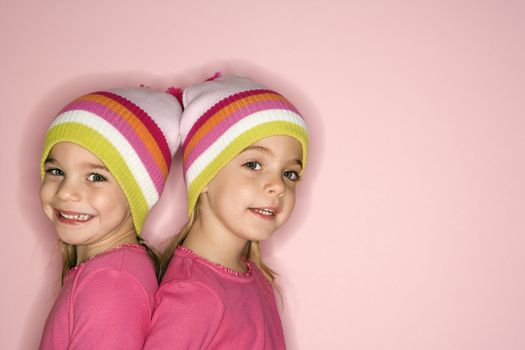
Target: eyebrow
<point>258,148</point>
<point>94,166</point>
<point>268,151</point>
<point>83,165</point>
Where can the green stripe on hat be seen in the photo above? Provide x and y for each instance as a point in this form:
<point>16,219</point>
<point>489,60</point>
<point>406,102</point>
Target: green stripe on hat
<point>237,145</point>
<point>97,144</point>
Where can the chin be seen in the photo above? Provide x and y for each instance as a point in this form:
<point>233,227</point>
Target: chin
<point>71,238</point>
<point>259,236</point>
<point>68,240</point>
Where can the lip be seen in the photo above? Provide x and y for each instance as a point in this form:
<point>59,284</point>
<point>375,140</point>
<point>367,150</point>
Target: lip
<point>72,221</point>
<point>256,212</point>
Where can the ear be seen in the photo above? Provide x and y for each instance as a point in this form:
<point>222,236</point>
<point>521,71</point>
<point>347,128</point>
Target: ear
<point>205,189</point>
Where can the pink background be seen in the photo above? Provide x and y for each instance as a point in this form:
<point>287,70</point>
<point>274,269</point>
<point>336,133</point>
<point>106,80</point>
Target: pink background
<point>409,232</point>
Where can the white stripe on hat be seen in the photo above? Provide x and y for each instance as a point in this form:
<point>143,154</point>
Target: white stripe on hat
<point>122,145</point>
<point>240,127</point>
<point>156,104</point>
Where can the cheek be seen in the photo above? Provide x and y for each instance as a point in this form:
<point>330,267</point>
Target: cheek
<point>120,202</point>
<point>45,193</point>
<point>245,195</point>
<point>106,202</point>
<point>229,201</point>
<point>46,196</point>
<point>290,201</point>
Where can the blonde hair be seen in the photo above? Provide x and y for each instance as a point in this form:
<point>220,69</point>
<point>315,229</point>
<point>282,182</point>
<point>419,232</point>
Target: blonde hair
<point>252,252</point>
<point>69,256</point>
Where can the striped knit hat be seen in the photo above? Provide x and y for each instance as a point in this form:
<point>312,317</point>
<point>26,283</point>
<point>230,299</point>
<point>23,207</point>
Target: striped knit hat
<point>222,117</point>
<point>133,131</point>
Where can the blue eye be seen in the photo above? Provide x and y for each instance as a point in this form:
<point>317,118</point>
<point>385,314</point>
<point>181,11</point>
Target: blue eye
<point>252,165</point>
<point>94,177</point>
<point>291,175</point>
<point>55,172</point>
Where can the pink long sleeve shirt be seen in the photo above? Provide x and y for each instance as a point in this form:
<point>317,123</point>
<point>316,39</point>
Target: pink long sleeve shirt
<point>105,303</point>
<point>202,305</point>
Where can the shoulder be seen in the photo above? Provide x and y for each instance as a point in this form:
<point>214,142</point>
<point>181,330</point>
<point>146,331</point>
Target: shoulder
<point>111,301</point>
<point>189,271</point>
<point>185,275</point>
<point>188,308</point>
<point>132,258</point>
<point>189,284</point>
<point>261,280</point>
<point>115,273</point>
<point>186,304</point>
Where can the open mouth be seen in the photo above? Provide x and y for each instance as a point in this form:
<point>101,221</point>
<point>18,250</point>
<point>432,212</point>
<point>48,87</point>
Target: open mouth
<point>72,217</point>
<point>266,213</point>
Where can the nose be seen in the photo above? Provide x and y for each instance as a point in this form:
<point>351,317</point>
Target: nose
<point>275,186</point>
<point>68,191</point>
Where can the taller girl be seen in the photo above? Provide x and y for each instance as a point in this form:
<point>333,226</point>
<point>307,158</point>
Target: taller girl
<point>244,148</point>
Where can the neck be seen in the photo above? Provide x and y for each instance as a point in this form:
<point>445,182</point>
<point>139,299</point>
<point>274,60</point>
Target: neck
<point>209,239</point>
<point>87,251</point>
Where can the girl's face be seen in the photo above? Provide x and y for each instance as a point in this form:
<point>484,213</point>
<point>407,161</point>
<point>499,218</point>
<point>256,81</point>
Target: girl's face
<point>254,194</point>
<point>82,199</point>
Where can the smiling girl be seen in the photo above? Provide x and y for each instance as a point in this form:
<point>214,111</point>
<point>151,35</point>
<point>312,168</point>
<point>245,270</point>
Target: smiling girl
<point>105,161</point>
<point>244,148</point>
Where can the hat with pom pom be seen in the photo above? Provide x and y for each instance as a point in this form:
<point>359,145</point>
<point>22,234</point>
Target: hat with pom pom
<point>133,131</point>
<point>224,115</point>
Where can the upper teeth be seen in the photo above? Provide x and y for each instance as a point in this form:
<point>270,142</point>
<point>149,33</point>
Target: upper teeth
<point>81,217</point>
<point>265,211</point>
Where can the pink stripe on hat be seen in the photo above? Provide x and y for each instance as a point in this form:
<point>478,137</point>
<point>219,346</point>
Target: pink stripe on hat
<point>127,131</point>
<point>227,122</point>
<point>214,109</point>
<point>152,127</point>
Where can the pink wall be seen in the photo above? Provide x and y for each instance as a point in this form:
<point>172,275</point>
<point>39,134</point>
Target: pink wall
<point>410,227</point>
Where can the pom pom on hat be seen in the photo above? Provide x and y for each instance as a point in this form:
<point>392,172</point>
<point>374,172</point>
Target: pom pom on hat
<point>224,115</point>
<point>133,131</point>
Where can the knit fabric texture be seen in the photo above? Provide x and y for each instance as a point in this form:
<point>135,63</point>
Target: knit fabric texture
<point>133,131</point>
<point>106,303</point>
<point>225,115</point>
<point>203,305</point>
